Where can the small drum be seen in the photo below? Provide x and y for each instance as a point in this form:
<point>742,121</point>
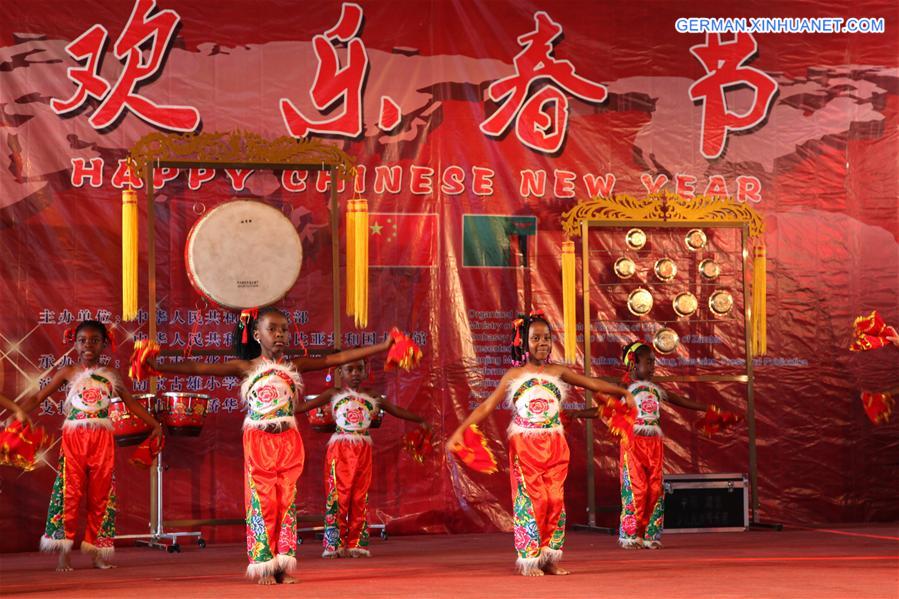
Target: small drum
<point>183,413</point>
<point>321,419</point>
<point>127,428</point>
<point>243,253</point>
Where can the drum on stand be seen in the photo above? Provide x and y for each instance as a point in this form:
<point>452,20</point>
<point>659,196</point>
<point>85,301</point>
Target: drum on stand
<point>183,413</point>
<point>243,254</point>
<point>127,427</point>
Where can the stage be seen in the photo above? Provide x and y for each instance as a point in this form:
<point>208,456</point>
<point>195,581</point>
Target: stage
<point>819,563</point>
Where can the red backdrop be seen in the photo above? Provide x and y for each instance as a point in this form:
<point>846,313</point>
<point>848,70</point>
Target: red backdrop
<point>817,159</point>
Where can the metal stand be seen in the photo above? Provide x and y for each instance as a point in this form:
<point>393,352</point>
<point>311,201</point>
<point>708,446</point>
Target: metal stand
<point>320,530</point>
<point>746,376</point>
<point>157,532</point>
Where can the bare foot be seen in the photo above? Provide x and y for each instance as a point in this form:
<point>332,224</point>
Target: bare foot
<point>555,570</point>
<point>287,579</point>
<point>532,572</point>
<point>65,563</point>
<point>100,564</point>
<point>268,579</point>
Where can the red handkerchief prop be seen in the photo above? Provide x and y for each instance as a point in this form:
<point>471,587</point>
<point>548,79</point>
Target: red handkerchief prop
<point>404,352</point>
<point>419,444</point>
<point>144,349</point>
<point>619,417</point>
<point>870,332</point>
<point>22,445</point>
<point>474,453</point>
<point>146,452</point>
<point>715,420</point>
<point>878,406</point>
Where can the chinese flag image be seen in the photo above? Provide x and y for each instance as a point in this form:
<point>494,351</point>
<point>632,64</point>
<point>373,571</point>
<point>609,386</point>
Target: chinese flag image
<point>390,234</point>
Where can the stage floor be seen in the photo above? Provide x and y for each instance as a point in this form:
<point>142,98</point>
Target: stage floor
<point>819,564</point>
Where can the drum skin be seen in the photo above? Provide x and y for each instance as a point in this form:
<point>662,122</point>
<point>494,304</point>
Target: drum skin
<point>243,254</point>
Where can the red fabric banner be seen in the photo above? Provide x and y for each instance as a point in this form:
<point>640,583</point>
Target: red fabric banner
<point>475,126</point>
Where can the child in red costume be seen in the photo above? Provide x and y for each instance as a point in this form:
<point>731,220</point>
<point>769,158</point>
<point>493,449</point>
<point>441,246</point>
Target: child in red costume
<point>88,451</point>
<point>273,449</point>
<point>538,452</point>
<point>348,459</point>
<point>642,497</point>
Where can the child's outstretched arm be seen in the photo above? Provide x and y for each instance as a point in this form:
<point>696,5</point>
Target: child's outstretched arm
<point>583,413</point>
<point>323,398</point>
<point>342,357</point>
<point>684,402</point>
<point>395,410</point>
<point>58,380</point>
<point>597,385</point>
<point>230,368</point>
<point>17,411</point>
<point>454,443</point>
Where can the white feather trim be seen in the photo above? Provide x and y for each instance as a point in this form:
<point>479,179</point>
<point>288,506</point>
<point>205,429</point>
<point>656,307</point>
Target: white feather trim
<point>626,543</point>
<point>350,438</point>
<point>101,552</point>
<point>550,556</point>
<point>358,552</point>
<point>648,430</point>
<point>260,569</point>
<point>87,423</point>
<point>286,563</point>
<point>49,545</point>
<point>527,564</point>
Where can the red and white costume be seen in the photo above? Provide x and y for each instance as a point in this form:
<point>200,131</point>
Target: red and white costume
<point>85,467</point>
<point>538,459</point>
<point>273,461</point>
<point>348,474</point>
<point>642,497</point>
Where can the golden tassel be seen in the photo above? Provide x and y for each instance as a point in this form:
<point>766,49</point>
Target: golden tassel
<point>361,264</point>
<point>129,254</point>
<point>351,258</point>
<point>568,301</point>
<point>759,306</point>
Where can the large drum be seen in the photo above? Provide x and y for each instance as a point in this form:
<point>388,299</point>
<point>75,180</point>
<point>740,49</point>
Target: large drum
<point>243,254</point>
<point>127,427</point>
<point>183,413</point>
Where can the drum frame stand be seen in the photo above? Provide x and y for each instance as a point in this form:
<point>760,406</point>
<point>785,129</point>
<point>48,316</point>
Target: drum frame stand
<point>157,529</point>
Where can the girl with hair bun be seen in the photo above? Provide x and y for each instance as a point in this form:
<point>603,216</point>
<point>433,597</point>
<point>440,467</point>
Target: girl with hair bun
<point>538,452</point>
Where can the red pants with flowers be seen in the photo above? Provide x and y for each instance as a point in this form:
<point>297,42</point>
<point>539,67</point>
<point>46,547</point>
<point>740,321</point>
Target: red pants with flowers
<point>538,468</point>
<point>642,497</point>
<point>273,461</point>
<point>86,464</point>
<point>347,479</point>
